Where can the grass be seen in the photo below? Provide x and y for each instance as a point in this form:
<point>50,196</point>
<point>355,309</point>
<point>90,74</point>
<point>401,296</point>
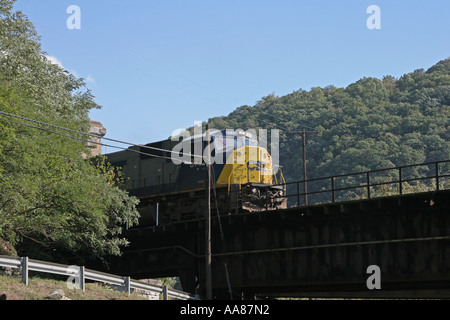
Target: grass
<point>39,289</point>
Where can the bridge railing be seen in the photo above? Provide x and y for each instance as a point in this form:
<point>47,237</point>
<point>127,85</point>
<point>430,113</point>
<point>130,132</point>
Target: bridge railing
<point>429,176</point>
<point>79,274</point>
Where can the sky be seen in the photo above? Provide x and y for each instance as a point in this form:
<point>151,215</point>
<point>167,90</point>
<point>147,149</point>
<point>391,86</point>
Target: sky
<point>159,66</point>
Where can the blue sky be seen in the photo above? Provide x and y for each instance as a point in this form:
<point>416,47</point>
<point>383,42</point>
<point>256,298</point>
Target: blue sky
<point>157,66</point>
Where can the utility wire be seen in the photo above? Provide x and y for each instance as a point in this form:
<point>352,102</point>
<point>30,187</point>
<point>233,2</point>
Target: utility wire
<point>99,136</point>
<point>222,236</point>
<point>83,140</point>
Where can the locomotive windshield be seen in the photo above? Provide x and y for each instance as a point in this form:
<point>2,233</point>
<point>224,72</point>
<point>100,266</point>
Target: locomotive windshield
<point>234,142</point>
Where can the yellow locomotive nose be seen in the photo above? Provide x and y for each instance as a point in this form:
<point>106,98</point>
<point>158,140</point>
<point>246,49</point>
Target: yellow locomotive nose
<point>249,164</point>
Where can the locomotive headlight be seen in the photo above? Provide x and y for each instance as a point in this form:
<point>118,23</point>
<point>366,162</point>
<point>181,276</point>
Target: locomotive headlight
<point>254,190</point>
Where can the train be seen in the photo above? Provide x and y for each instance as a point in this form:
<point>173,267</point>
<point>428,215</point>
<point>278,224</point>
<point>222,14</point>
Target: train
<point>171,182</point>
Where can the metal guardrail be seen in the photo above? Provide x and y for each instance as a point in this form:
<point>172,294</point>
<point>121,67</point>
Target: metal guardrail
<point>80,274</point>
<point>415,178</point>
<point>370,183</point>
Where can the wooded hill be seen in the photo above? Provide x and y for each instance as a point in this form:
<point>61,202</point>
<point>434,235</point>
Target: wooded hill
<point>368,125</point>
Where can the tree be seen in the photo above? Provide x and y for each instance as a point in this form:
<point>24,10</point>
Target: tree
<point>50,197</point>
<point>368,125</point>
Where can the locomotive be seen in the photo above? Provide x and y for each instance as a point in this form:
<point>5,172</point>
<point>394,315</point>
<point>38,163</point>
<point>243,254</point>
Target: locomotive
<point>243,177</point>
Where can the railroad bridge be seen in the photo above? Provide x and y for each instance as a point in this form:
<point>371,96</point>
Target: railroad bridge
<point>315,250</point>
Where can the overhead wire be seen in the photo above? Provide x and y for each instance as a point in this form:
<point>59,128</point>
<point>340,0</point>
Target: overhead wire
<point>98,136</point>
<point>80,139</point>
<point>170,70</point>
<point>143,71</point>
<point>222,235</point>
<point>159,65</point>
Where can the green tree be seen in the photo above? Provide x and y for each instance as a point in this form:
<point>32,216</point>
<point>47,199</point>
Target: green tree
<point>50,196</point>
<point>368,125</point>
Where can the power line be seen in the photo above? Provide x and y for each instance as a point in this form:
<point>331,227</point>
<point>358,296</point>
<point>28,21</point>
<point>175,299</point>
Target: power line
<point>80,139</point>
<point>98,136</point>
<point>158,64</point>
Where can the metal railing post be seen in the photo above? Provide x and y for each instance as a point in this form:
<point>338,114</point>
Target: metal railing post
<point>127,285</point>
<point>25,270</point>
<point>368,185</point>
<point>400,186</point>
<point>298,193</point>
<point>157,214</point>
<point>332,190</point>
<point>82,279</point>
<point>437,175</point>
<point>165,293</point>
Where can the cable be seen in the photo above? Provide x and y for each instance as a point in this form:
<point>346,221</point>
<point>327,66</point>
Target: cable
<point>98,136</point>
<point>158,64</point>
<point>230,289</point>
<point>83,140</point>
<point>217,206</point>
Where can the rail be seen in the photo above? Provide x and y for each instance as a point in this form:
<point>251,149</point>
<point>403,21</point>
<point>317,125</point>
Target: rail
<point>372,184</point>
<point>415,178</point>
<point>80,274</point>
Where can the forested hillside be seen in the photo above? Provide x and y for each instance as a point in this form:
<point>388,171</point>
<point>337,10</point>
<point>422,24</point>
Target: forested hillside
<point>371,124</point>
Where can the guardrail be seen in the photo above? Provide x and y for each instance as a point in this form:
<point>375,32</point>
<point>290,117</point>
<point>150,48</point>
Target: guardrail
<point>371,184</point>
<point>79,274</point>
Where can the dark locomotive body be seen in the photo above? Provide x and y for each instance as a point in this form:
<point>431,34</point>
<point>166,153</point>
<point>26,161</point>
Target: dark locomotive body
<point>169,191</point>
